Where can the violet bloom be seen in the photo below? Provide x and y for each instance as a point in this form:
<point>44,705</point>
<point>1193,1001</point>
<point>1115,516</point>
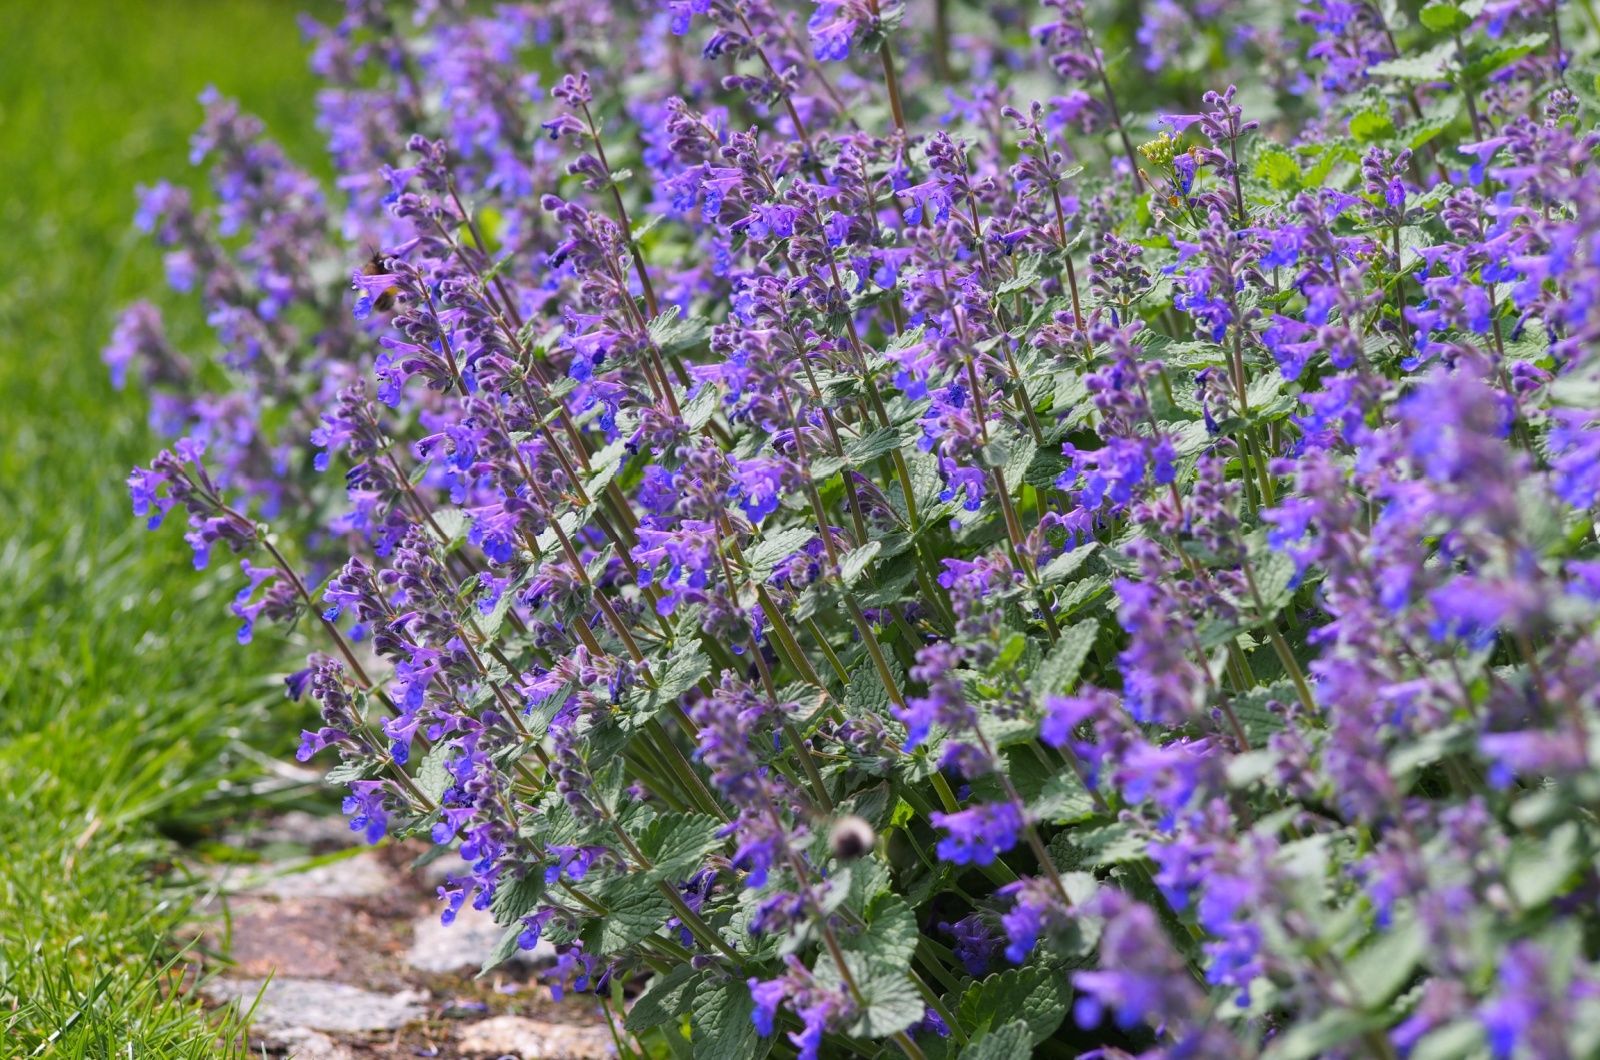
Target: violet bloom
<point>978,836</point>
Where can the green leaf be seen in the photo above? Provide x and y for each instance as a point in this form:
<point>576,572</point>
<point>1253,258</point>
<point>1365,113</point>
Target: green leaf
<point>775,548</point>
<point>1035,996</point>
<point>1539,869</point>
<point>1321,1036</point>
<point>1277,167</point>
<point>679,673</point>
<point>1461,1040</point>
<point>1431,65</point>
<point>854,562</point>
<point>1028,273</point>
<point>675,335</point>
<point>1066,565</point>
<point>516,897</point>
<point>452,523</point>
<point>1110,844</point>
<point>890,1002</point>
<point>700,408</point>
<point>891,935</point>
<point>664,1000</point>
<point>1059,671</point>
<point>635,909</point>
<point>865,693</point>
<point>1369,126</point>
<point>678,842</point>
<point>432,777</point>
<point>880,442</point>
<point>503,950</point>
<point>1379,971</point>
<point>1005,1042</point>
<point>1442,17</point>
<point>1502,56</point>
<point>1274,575</point>
<point>720,1024</point>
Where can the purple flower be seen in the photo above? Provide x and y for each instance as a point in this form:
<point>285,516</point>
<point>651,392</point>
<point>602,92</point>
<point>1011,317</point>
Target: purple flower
<point>978,836</point>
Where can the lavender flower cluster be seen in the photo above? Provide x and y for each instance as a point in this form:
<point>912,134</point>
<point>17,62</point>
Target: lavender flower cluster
<point>895,529</point>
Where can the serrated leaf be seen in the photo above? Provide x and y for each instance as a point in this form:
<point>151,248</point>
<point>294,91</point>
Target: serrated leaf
<point>452,523</point>
<point>1503,56</point>
<point>1320,1036</point>
<point>1066,565</point>
<point>1540,868</point>
<point>678,842</point>
<point>664,1000</point>
<point>890,1002</point>
<point>1027,277</point>
<point>773,549</point>
<point>1005,1042</point>
<point>865,693</point>
<point>679,673</point>
<point>1369,126</point>
<point>516,896</point>
<point>891,934</point>
<point>635,908</point>
<point>675,333</point>
<point>503,951</point>
<point>1059,671</point>
<point>880,442</point>
<point>1442,17</point>
<point>1277,167</point>
<point>719,1021</point>
<point>1035,996</point>
<point>853,563</point>
<point>1382,968</point>
<point>1431,65</point>
<point>432,778</point>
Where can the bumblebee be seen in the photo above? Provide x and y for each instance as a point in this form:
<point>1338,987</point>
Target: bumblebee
<point>385,299</point>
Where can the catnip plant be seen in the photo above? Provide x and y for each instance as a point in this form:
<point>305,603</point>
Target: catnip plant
<point>937,529</point>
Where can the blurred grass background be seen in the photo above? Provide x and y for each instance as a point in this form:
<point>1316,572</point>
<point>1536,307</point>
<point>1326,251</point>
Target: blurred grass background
<point>124,715</point>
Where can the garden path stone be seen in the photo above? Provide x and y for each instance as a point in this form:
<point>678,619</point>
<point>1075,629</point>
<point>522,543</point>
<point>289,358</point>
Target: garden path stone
<point>463,945</point>
<point>361,876</point>
<point>320,1005</point>
<point>530,1039</point>
<point>358,965</point>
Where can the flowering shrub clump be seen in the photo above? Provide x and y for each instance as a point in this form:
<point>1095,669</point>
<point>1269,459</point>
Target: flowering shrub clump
<point>903,530</point>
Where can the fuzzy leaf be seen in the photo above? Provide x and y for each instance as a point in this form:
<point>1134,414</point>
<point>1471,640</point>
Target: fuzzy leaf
<point>891,1003</point>
<point>503,951</point>
<point>635,909</point>
<point>678,842</point>
<point>1066,565</point>
<point>1059,671</point>
<point>674,677</point>
<point>1005,1042</point>
<point>720,1024</point>
<point>891,935</point>
<point>675,333</point>
<point>432,777</point>
<point>775,548</point>
<point>1036,996</point>
<point>1443,17</point>
<point>856,561</point>
<point>664,1000</point>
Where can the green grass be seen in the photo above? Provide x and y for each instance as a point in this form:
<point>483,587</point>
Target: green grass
<point>124,704</point>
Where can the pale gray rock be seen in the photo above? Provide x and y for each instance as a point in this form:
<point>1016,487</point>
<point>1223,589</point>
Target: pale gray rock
<point>464,945</point>
<point>360,876</point>
<point>295,1005</point>
<point>530,1039</point>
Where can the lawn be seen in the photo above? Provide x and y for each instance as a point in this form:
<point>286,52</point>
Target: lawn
<point>122,714</point>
